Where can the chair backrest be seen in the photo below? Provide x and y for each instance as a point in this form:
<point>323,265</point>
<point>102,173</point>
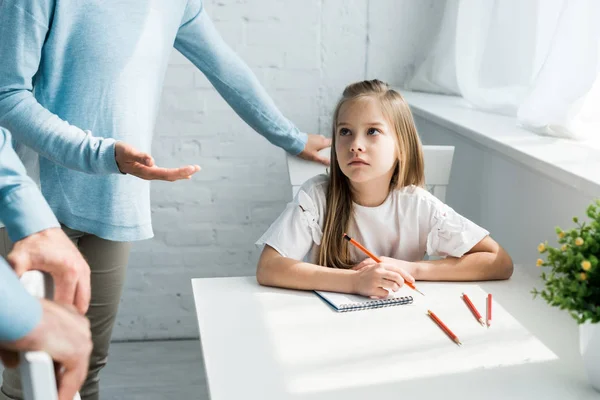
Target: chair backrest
<point>438,162</point>
<point>38,377</point>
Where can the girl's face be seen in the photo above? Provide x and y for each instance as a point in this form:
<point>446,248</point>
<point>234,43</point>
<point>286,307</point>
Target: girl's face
<point>365,142</point>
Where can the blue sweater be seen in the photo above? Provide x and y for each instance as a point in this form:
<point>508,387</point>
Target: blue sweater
<point>24,211</point>
<point>76,76</point>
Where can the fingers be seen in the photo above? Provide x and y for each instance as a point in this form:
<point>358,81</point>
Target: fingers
<point>195,168</point>
<point>142,158</point>
<point>65,284</point>
<point>66,337</point>
<point>70,380</point>
<point>405,275</point>
<point>363,263</point>
<point>150,161</point>
<point>140,164</point>
<point>82,296</point>
<point>166,174</point>
<point>19,262</point>
<point>323,160</point>
<point>83,290</point>
<point>380,293</point>
<point>392,280</point>
<point>322,143</point>
<point>390,285</point>
<point>326,142</point>
<point>10,359</point>
<point>313,155</point>
<point>319,141</point>
<point>379,281</point>
<point>315,144</point>
<point>71,275</point>
<point>131,155</point>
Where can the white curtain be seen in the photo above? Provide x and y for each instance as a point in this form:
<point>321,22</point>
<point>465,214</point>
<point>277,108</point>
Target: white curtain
<point>537,60</point>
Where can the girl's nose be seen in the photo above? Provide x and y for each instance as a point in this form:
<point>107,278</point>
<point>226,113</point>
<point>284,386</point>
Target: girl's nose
<point>357,147</point>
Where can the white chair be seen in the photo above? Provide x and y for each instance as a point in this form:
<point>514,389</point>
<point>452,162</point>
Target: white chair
<point>37,368</point>
<point>438,162</point>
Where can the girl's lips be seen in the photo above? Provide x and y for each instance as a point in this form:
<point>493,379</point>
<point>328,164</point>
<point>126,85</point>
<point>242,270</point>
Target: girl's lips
<point>358,162</point>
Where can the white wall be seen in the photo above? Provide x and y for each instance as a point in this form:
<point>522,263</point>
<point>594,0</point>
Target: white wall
<point>520,207</point>
<point>305,53</point>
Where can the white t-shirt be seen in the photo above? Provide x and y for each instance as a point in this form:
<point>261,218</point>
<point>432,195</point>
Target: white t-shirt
<point>410,223</point>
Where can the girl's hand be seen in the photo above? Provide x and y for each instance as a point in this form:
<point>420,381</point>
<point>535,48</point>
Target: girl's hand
<point>405,268</point>
<point>364,263</point>
<point>376,279</point>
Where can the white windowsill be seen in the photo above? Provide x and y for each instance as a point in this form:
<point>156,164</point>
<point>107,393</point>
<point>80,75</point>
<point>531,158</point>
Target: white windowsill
<point>573,163</point>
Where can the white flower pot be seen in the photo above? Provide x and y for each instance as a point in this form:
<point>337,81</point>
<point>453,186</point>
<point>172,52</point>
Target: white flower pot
<point>589,345</point>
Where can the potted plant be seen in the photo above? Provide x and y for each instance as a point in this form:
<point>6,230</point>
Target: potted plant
<point>572,282</point>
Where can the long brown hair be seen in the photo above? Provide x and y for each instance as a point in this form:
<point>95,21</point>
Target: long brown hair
<point>409,169</point>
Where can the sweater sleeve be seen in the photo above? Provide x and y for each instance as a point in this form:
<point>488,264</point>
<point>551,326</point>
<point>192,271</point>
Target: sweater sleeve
<point>19,311</point>
<point>199,41</point>
<point>23,29</point>
<point>23,209</point>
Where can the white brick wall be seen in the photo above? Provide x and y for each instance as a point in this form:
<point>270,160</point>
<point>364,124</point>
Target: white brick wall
<point>304,53</point>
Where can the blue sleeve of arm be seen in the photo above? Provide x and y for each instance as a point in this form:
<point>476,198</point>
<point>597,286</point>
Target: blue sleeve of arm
<point>200,42</point>
<point>19,311</point>
<point>23,209</point>
<point>23,28</point>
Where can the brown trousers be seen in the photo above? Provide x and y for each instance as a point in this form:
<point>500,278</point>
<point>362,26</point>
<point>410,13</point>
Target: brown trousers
<point>108,263</point>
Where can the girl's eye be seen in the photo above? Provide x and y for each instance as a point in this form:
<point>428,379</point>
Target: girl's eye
<point>344,132</point>
<point>373,131</point>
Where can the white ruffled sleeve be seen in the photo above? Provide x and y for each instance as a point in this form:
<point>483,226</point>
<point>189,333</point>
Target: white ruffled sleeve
<point>296,229</point>
<point>451,234</point>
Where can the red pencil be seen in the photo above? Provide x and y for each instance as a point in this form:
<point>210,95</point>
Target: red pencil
<point>444,327</point>
<point>489,310</point>
<point>473,309</point>
<point>376,259</point>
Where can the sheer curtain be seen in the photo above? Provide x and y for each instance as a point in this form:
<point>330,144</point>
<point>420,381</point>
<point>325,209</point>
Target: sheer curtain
<point>537,60</point>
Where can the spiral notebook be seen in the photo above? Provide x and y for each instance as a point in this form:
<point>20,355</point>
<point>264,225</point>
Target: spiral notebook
<point>342,302</point>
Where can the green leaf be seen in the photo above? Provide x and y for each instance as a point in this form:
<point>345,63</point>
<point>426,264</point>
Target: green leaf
<point>574,286</point>
<point>563,287</point>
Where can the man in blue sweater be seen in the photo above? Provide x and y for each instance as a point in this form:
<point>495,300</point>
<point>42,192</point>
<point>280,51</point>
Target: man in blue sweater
<point>79,77</point>
<point>28,324</point>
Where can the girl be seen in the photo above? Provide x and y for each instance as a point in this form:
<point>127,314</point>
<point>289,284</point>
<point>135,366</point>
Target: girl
<point>375,194</point>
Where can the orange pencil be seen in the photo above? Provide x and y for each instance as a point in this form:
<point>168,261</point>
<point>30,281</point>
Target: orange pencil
<point>489,310</point>
<point>473,309</point>
<point>376,259</point>
<point>444,327</point>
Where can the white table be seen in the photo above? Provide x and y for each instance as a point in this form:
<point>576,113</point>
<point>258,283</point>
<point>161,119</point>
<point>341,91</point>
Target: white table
<point>267,343</point>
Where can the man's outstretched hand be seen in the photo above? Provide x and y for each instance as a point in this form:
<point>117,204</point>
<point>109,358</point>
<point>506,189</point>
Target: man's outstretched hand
<point>133,162</point>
